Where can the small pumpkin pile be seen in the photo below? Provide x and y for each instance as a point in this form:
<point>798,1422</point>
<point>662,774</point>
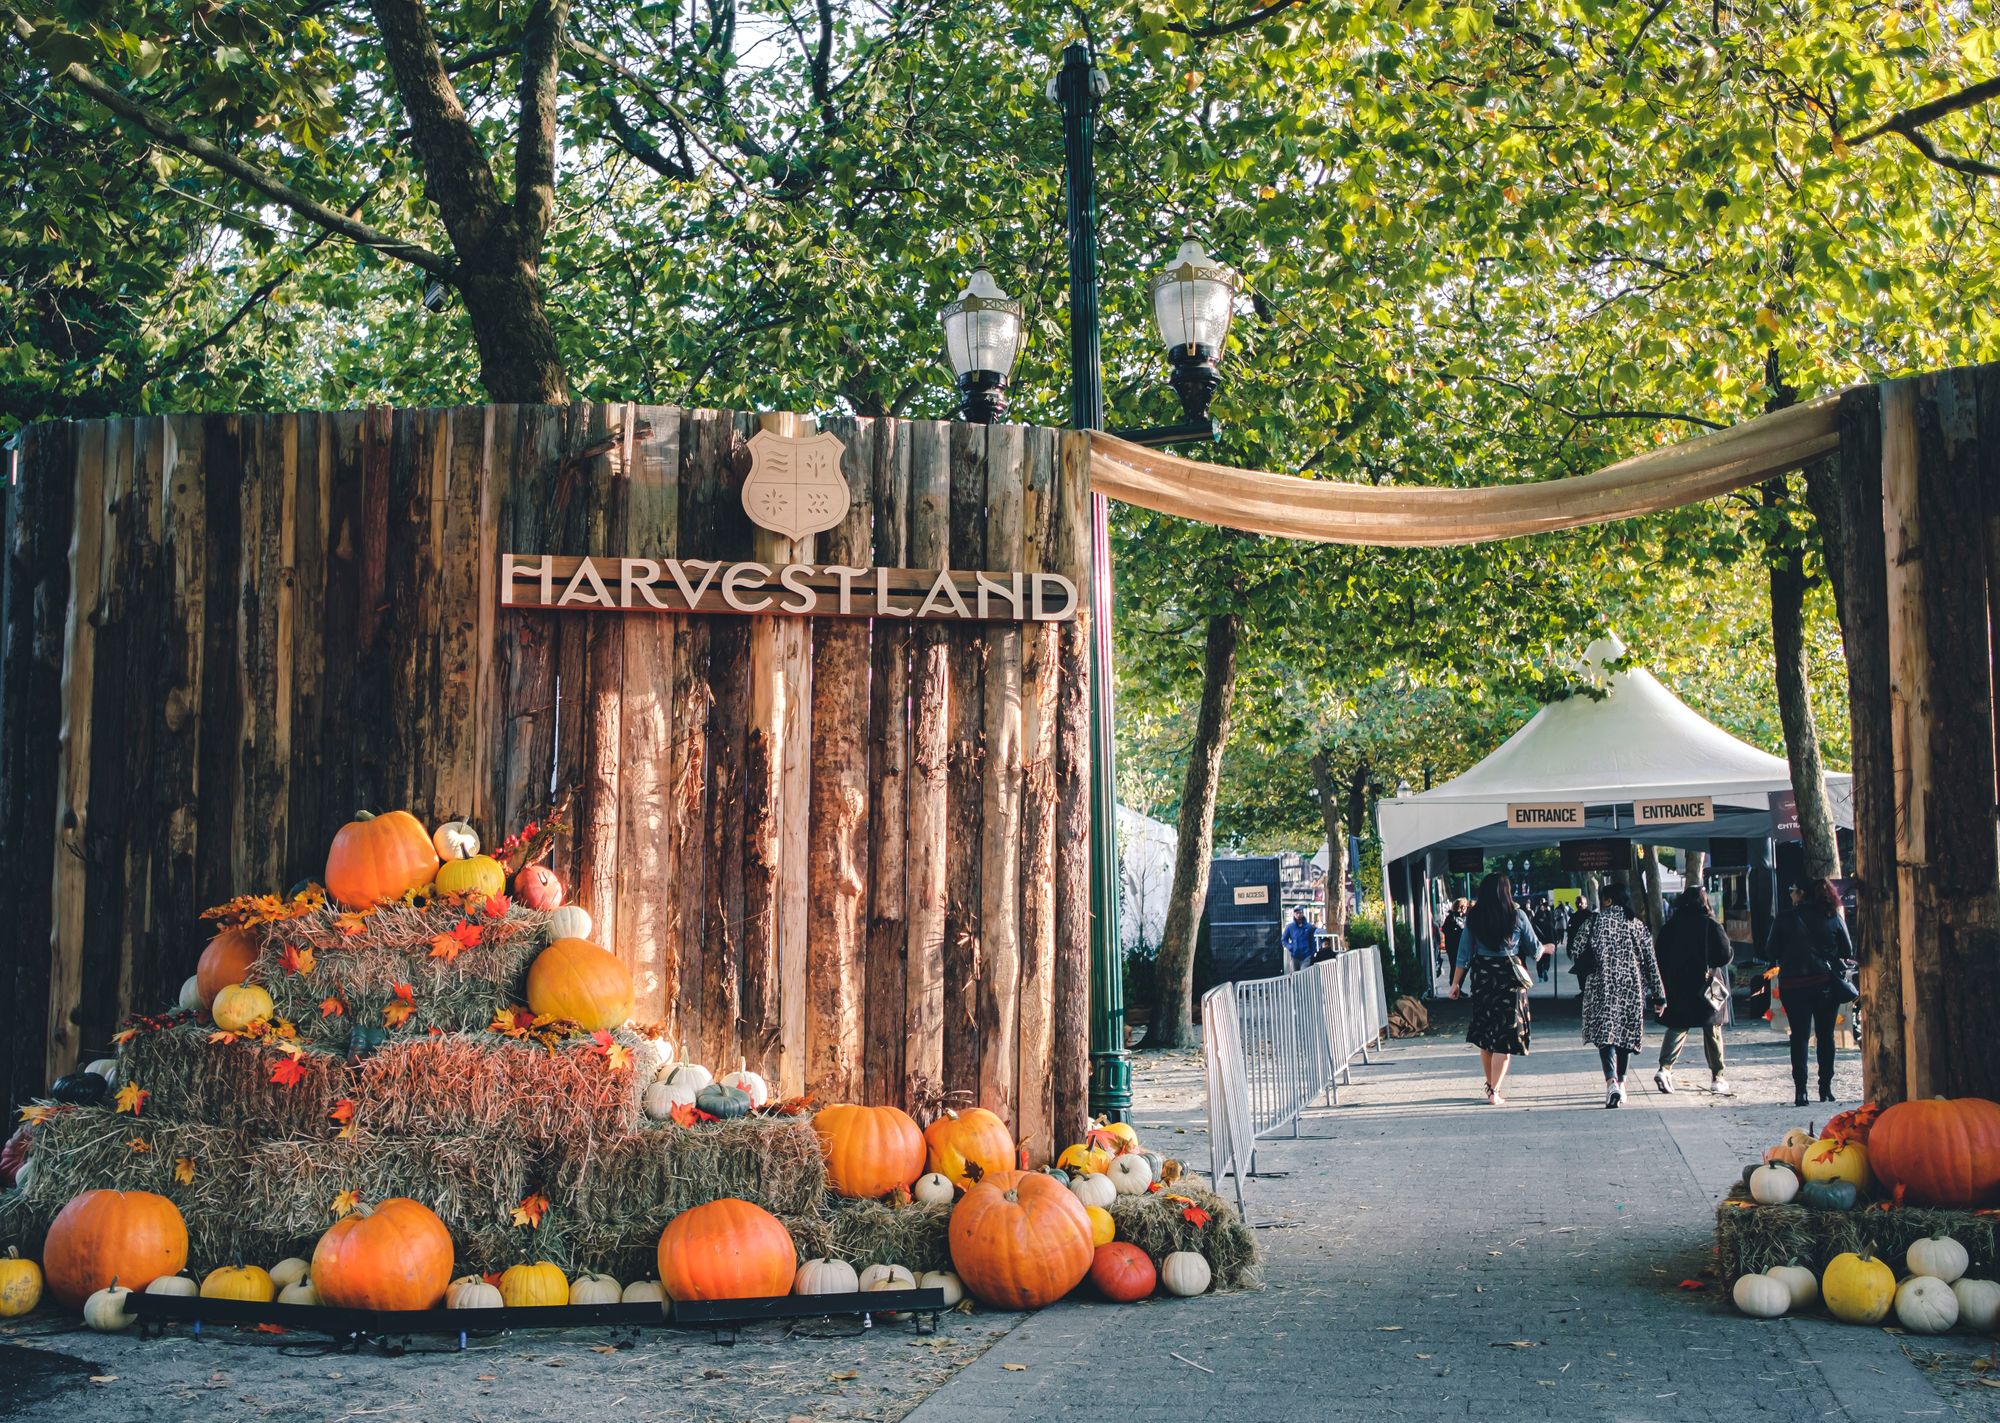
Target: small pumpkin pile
<point>1857,1288</point>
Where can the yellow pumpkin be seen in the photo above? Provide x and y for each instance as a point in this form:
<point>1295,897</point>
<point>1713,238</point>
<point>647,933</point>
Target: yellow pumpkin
<point>1858,1289</point>
<point>240,1005</point>
<point>1831,1160</point>
<point>522,1286</point>
<point>479,875</point>
<point>575,979</point>
<point>1103,1229</point>
<point>1076,1158</point>
<point>1122,1132</point>
<point>248,1282</point>
<point>20,1284</point>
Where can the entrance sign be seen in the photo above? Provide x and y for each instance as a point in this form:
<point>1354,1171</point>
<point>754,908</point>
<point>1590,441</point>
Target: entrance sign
<point>795,486</point>
<point>1784,814</point>
<point>1688,810</point>
<point>1549,816</point>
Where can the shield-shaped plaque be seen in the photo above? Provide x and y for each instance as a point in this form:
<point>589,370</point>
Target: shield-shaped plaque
<point>795,486</point>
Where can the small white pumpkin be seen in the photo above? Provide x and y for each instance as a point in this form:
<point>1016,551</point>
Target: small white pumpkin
<point>1803,1283</point>
<point>946,1280</point>
<point>934,1188</point>
<point>1940,1257</point>
<point>289,1271</point>
<point>174,1285</point>
<point>1773,1185</point>
<point>690,1075</point>
<point>105,1311</point>
<point>190,1000</point>
<point>644,1292</point>
<point>1760,1296</point>
<point>667,1063</point>
<point>1094,1188</point>
<point>887,1277</point>
<point>299,1292</point>
<point>1130,1175</point>
<point>1978,1304</point>
<point>455,840</point>
<point>595,1289</point>
<point>569,921</point>
<point>1926,1305</point>
<point>744,1080</point>
<point>662,1097</point>
<point>474,1293</point>
<point>1185,1273</point>
<point>826,1277</point>
<point>23,1174</point>
<point>105,1067</point>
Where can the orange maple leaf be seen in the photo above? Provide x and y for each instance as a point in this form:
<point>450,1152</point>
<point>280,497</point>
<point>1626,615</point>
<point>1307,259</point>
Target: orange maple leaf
<point>510,1022</point>
<point>288,1073</point>
<point>223,1035</point>
<point>394,1015</point>
<point>531,1210</point>
<point>139,1144</point>
<point>1194,1216</point>
<point>331,1008</point>
<point>686,1114</point>
<point>133,1099</point>
<point>445,947</point>
<point>184,1170</point>
<point>268,1328</point>
<point>492,1277</point>
<point>343,1111</point>
<point>497,906</point>
<point>350,924</point>
<point>619,1059</point>
<point>468,933</point>
<point>124,1036</point>
<point>36,1115</point>
<point>297,959</point>
<point>345,1203</point>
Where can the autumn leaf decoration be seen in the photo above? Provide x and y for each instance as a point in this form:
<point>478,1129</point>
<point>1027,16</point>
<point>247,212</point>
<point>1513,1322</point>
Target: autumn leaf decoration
<point>36,1114</point>
<point>397,1010</point>
<point>687,1114</point>
<point>1193,1214</point>
<point>139,1145</point>
<point>497,905</point>
<point>184,1170</point>
<point>342,1113</point>
<point>297,959</point>
<point>615,1054</point>
<point>345,1203</point>
<point>289,1071</point>
<point>133,1098</point>
<point>511,1022</point>
<point>531,1211</point>
<point>249,910</point>
<point>331,1007</point>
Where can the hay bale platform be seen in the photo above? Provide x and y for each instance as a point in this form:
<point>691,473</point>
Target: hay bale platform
<point>1750,1238</point>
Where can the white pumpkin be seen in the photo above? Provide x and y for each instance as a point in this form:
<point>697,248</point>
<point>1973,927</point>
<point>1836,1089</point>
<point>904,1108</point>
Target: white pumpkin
<point>662,1097</point>
<point>1094,1188</point>
<point>1978,1304</point>
<point>190,1000</point>
<point>1760,1296</point>
<point>1773,1185</point>
<point>105,1311</point>
<point>289,1271</point>
<point>667,1062</point>
<point>644,1292</point>
<point>1803,1283</point>
<point>298,1292</point>
<point>1940,1257</point>
<point>951,1284</point>
<point>1926,1305</point>
<point>690,1075</point>
<point>105,1067</point>
<point>934,1188</point>
<point>23,1174</point>
<point>455,840</point>
<point>1185,1273</point>
<point>569,921</point>
<point>1129,1174</point>
<point>744,1080</point>
<point>887,1277</point>
<point>474,1293</point>
<point>595,1289</point>
<point>174,1285</point>
<point>826,1277</point>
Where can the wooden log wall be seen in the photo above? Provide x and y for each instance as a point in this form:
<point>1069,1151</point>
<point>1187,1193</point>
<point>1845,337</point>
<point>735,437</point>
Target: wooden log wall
<point>841,849</point>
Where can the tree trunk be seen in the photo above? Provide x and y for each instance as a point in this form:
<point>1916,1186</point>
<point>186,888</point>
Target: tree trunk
<point>1173,1016</point>
<point>1332,820</point>
<point>1795,713</point>
<point>519,362</point>
<point>1656,905</point>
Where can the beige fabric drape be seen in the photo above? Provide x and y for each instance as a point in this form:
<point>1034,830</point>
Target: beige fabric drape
<point>1331,512</point>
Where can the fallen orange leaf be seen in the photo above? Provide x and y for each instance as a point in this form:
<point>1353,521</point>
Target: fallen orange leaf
<point>140,1144</point>
<point>184,1170</point>
<point>132,1098</point>
<point>297,959</point>
<point>343,1111</point>
<point>445,947</point>
<point>288,1073</point>
<point>331,1008</point>
<point>345,1202</point>
<point>531,1210</point>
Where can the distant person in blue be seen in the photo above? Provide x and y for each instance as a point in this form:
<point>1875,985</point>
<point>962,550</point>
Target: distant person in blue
<point>1298,941</point>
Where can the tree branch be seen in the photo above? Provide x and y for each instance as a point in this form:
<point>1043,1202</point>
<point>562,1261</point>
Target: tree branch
<point>457,176</point>
<point>1230,27</point>
<point>249,304</point>
<point>639,146</point>
<point>1909,126</point>
<point>535,143</point>
<point>249,174</point>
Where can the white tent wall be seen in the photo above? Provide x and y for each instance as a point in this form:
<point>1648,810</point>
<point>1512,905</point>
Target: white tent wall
<point>1145,878</point>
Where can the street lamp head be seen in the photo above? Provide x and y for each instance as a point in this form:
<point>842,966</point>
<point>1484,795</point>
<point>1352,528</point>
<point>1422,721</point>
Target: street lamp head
<point>1192,302</point>
<point>982,335</point>
<point>1402,790</point>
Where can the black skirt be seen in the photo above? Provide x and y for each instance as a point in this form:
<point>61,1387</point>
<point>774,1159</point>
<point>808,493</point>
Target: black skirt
<point>1499,1008</point>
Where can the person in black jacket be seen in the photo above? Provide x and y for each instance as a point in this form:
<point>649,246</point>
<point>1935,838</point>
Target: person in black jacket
<point>1811,945</point>
<point>1694,954</point>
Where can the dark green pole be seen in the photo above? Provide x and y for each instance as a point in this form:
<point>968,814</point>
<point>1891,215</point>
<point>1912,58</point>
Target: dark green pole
<point>1077,88</point>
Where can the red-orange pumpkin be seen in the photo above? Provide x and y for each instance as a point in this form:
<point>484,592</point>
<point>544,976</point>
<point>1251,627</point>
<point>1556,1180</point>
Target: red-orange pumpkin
<point>973,1135</point>
<point>226,959</point>
<point>574,979</point>
<point>376,858</point>
<point>1940,1153</point>
<point>1122,1272</point>
<point>870,1151</point>
<point>1021,1247</point>
<point>727,1249</point>
<point>133,1237</point>
<point>538,888</point>
<point>395,1256</point>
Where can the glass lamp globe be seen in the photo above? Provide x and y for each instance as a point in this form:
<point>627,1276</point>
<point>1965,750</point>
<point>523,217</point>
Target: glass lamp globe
<point>1193,300</point>
<point>982,336</point>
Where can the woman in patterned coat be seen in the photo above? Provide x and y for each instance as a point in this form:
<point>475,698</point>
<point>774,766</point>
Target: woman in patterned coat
<point>1622,984</point>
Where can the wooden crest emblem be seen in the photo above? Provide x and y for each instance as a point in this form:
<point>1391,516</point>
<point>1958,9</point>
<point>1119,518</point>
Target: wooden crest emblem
<point>795,486</point>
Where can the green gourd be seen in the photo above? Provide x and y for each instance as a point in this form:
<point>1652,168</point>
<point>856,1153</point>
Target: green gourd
<point>1827,1195</point>
<point>81,1089</point>
<point>728,1103</point>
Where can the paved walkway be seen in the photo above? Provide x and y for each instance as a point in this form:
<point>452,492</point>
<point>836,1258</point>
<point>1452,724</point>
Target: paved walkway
<point>1431,1257</point>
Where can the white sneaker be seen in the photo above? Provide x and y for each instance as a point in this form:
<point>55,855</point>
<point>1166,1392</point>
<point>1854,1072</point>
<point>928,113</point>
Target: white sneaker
<point>1664,1080</point>
<point>1614,1094</point>
<point>1721,1086</point>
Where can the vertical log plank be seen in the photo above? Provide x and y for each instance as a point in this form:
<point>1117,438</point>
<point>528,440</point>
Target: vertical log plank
<point>1072,975</point>
<point>147,956</point>
<point>1035,1114</point>
<point>884,978</point>
<point>114,700</point>
<point>580,482</point>
<point>966,777</point>
<point>1909,710</point>
<point>599,728</point>
<point>930,742</point>
<point>178,899</point>
<point>340,772</point>
<point>525,641</point>
<point>999,1003</point>
<point>459,776</point>
<point>377,780</point>
<point>307,811</point>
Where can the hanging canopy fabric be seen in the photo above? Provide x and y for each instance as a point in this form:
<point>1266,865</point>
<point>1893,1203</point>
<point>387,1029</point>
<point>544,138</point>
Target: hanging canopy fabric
<point>1415,515</point>
<point>1639,742</point>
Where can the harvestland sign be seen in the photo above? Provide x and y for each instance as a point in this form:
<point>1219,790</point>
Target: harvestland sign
<point>794,489</point>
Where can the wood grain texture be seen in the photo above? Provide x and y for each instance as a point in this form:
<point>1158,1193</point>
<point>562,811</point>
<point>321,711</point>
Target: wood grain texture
<point>600,719</point>
<point>999,1004</point>
<point>1071,1072</point>
<point>885,985</point>
<point>1035,1112</point>
<point>965,780</point>
<point>927,901</point>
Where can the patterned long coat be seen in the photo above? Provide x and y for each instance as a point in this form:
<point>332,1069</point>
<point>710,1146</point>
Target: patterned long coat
<point>1627,977</point>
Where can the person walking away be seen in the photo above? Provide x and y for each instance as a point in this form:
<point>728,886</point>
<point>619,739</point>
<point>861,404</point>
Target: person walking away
<point>1496,939</point>
<point>1298,942</point>
<point>1623,979</point>
<point>1694,955</point>
<point>1453,930</point>
<point>1812,948</point>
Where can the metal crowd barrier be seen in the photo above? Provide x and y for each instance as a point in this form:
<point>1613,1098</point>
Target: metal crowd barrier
<point>1272,1046</point>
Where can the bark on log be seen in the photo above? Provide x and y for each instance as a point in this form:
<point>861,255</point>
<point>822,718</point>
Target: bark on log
<point>721,950</point>
<point>1000,795</point>
<point>1035,1114</point>
<point>601,729</point>
<point>930,739</point>
<point>1070,1072</point>
<point>885,982</point>
<point>966,775</point>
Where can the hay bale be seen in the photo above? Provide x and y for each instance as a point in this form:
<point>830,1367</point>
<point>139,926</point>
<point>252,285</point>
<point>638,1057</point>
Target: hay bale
<point>655,1172</point>
<point>1750,1238</point>
<point>1155,1224</point>
<point>193,1079</point>
<point>513,1091</point>
<point>872,1233</point>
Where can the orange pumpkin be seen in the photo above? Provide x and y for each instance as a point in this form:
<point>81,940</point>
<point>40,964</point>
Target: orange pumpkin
<point>1123,1272</point>
<point>974,1135</point>
<point>376,858</point>
<point>727,1249</point>
<point>1939,1152</point>
<point>395,1256</point>
<point>225,961</point>
<point>1022,1247</point>
<point>133,1237</point>
<point>574,979</point>
<point>870,1151</point>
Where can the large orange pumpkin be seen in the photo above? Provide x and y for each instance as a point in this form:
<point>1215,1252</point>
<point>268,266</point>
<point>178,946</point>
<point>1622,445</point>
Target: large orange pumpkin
<point>1940,1153</point>
<point>376,858</point>
<point>395,1256</point>
<point>870,1151</point>
<point>974,1135</point>
<point>226,959</point>
<point>1022,1247</point>
<point>727,1249</point>
<point>133,1237</point>
<point>574,979</point>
